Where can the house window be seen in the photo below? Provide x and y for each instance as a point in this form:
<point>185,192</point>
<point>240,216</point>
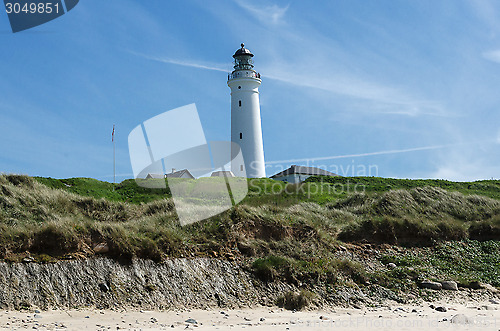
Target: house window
<point>241,135</point>
<point>241,167</point>
<point>239,103</point>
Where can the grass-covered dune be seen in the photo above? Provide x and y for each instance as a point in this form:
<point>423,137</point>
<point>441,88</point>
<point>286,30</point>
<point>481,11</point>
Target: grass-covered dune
<point>327,231</point>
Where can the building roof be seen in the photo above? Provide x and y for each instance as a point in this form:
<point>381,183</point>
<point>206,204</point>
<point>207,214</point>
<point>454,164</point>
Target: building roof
<point>179,174</point>
<point>243,51</point>
<point>224,173</point>
<point>155,176</point>
<point>301,170</point>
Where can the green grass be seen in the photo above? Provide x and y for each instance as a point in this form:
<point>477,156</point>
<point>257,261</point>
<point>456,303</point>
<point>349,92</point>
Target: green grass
<point>126,191</point>
<point>290,232</point>
<point>487,188</point>
<point>317,189</point>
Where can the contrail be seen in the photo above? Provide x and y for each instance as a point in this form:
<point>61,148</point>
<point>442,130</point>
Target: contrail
<point>180,62</point>
<point>393,151</point>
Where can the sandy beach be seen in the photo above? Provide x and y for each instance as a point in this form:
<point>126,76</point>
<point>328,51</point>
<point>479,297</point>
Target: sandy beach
<point>473,316</point>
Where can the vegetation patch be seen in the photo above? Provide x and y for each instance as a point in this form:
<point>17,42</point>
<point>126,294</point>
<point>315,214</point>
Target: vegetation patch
<point>295,300</point>
<point>308,234</point>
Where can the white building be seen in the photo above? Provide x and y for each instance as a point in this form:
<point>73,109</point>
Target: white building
<point>246,130</point>
<point>174,174</point>
<point>297,174</point>
<point>179,174</point>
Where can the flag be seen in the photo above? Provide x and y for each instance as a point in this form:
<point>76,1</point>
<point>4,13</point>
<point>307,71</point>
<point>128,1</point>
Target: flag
<point>113,134</point>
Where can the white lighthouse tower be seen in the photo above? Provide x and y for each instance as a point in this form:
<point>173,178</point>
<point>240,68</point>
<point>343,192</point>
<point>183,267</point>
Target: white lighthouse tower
<point>246,130</point>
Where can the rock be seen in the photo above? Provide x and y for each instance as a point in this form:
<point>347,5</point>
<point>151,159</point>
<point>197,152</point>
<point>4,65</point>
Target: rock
<point>449,285</point>
<point>461,319</point>
<point>37,311</point>
<point>490,288</point>
<point>441,309</point>
<point>475,285</point>
<point>191,320</point>
<point>262,319</point>
<point>103,287</point>
<point>101,248</point>
<point>391,265</point>
<point>495,302</point>
<point>178,282</point>
<point>488,308</point>
<point>431,285</point>
<point>414,311</point>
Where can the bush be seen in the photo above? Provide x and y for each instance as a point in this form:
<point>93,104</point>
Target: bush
<point>267,269</point>
<point>403,231</point>
<point>295,301</point>
<point>353,270</point>
<point>55,239</point>
<point>484,231</point>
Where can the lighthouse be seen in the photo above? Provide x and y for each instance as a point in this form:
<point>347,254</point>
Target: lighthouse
<point>246,129</point>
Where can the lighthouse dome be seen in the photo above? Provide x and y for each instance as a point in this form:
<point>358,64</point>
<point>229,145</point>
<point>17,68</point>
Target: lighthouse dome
<point>242,51</point>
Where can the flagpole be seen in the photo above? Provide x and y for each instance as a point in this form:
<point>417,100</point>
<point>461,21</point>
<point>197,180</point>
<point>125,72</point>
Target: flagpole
<point>114,158</point>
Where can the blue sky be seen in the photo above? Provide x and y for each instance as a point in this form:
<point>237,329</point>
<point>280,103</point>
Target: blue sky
<point>410,87</point>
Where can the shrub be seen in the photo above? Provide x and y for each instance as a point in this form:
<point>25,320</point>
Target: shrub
<point>295,301</point>
<point>352,270</point>
<point>55,239</point>
<point>486,230</point>
<point>267,269</point>
<point>403,231</point>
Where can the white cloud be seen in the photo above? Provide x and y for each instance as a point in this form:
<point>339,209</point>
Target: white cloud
<point>386,100</point>
<point>349,156</point>
<point>192,64</point>
<point>473,160</point>
<point>465,172</point>
<point>492,56</point>
<point>266,14</point>
<point>383,99</point>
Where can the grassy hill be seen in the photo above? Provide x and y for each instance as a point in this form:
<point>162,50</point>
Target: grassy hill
<point>329,230</point>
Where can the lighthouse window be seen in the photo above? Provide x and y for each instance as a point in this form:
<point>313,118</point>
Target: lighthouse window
<point>241,167</point>
<point>239,103</point>
<point>241,135</point>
